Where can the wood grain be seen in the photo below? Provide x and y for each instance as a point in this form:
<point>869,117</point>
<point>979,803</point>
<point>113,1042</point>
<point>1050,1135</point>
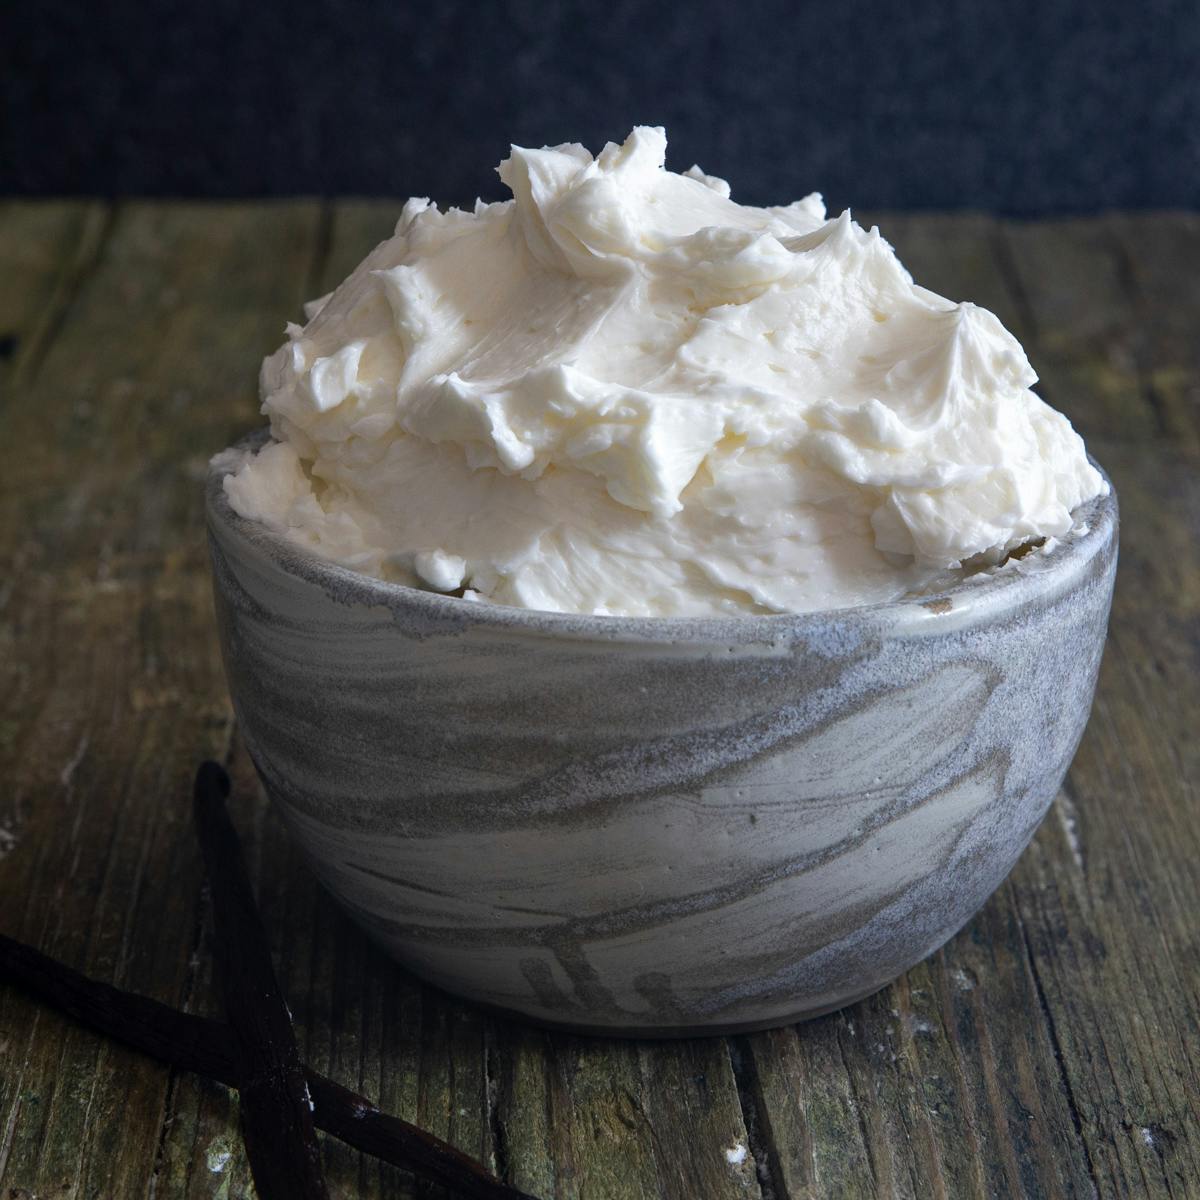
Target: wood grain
<point>1051,1049</point>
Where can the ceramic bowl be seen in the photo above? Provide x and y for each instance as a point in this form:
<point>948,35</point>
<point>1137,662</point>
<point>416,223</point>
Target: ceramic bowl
<point>654,827</point>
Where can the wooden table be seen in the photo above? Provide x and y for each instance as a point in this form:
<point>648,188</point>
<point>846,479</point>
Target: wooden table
<point>1051,1049</point>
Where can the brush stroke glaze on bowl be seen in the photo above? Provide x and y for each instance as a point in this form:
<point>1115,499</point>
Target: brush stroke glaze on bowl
<point>654,827</point>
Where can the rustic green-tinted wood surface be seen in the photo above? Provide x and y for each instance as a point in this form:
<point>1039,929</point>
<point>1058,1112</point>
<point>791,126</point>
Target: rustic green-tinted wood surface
<point>1051,1049</point>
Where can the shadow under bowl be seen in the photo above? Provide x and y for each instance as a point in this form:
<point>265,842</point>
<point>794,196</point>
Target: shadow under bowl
<point>659,827</point>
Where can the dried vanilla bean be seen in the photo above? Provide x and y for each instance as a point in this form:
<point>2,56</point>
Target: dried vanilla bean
<point>206,1047</point>
<point>274,1101</point>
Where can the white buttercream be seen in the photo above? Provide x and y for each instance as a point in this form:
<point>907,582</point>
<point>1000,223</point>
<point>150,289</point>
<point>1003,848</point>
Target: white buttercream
<point>622,392</point>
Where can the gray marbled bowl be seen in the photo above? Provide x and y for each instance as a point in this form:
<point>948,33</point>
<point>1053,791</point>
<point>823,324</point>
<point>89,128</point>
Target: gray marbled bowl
<point>650,827</point>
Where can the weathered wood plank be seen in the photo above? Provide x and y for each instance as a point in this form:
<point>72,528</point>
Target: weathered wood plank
<point>113,695</point>
<point>605,1129</point>
<point>1122,875</point>
<point>701,1145</point>
<point>1108,895</point>
<point>525,1143</point>
<point>46,250</point>
<point>941,1085</point>
<point>1085,344</point>
<point>1160,260</point>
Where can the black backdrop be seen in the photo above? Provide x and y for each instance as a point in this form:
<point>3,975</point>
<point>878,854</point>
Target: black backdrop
<point>1040,107</point>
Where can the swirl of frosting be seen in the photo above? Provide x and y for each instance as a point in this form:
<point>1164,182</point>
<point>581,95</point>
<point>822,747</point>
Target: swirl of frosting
<point>621,392</point>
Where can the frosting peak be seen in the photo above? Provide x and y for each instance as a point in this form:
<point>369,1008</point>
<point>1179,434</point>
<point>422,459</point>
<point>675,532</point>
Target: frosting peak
<point>622,392</point>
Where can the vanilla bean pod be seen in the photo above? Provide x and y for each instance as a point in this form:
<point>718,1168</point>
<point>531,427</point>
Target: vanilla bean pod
<point>193,1043</point>
<point>274,1101</point>
<point>205,1047</point>
<point>362,1125</point>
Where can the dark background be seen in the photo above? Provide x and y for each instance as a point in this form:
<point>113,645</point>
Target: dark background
<point>1019,108</point>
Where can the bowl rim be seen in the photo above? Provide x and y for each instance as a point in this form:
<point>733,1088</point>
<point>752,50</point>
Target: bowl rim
<point>982,597</point>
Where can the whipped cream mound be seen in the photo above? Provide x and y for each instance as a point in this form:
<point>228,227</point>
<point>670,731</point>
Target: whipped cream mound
<point>621,392</point>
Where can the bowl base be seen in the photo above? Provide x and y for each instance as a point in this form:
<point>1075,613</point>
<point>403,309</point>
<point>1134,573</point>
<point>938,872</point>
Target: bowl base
<point>662,1032</point>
